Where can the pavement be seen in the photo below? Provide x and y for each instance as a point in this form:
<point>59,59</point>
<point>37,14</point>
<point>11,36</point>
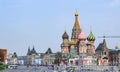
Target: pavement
<point>29,69</point>
<point>46,69</point>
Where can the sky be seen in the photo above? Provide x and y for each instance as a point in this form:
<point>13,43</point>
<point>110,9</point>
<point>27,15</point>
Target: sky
<point>41,23</point>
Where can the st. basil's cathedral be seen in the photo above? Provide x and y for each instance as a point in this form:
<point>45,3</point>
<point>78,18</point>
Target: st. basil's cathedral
<point>80,49</point>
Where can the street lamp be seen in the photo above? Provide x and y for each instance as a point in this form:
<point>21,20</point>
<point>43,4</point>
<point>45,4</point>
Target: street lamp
<point>116,48</point>
<point>0,59</point>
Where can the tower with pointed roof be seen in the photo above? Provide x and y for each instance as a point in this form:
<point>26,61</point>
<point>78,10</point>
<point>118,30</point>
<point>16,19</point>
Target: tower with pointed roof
<point>29,52</point>
<point>104,48</point>
<point>102,53</point>
<point>90,44</point>
<point>82,45</point>
<point>65,44</point>
<point>76,28</point>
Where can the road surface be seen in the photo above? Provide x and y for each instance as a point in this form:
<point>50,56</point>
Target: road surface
<point>29,69</point>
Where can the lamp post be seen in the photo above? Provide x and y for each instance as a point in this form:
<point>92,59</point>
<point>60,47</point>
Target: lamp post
<point>0,59</point>
<point>116,61</point>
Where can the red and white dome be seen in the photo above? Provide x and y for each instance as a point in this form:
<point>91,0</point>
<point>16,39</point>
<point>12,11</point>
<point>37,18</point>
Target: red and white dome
<point>82,35</point>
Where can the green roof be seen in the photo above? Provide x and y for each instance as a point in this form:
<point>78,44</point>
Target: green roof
<point>14,55</point>
<point>99,47</point>
<point>91,37</point>
<point>72,42</point>
<point>49,51</point>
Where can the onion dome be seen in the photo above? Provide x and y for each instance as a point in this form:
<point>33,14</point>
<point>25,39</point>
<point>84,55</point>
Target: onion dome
<point>76,14</point>
<point>72,42</point>
<point>82,35</point>
<point>116,47</point>
<point>91,37</point>
<point>65,35</point>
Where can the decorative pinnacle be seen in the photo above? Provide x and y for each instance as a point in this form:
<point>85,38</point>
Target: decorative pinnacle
<point>116,47</point>
<point>76,14</point>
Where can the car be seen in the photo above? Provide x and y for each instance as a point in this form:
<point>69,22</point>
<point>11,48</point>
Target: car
<point>64,71</point>
<point>12,67</point>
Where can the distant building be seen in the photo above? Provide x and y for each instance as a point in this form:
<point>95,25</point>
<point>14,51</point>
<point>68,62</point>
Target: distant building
<point>48,58</point>
<point>32,57</point>
<point>12,58</point>
<point>102,53</point>
<point>3,55</point>
<point>107,56</point>
<point>21,60</point>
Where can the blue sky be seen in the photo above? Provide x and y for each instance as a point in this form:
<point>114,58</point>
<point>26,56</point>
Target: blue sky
<point>41,23</point>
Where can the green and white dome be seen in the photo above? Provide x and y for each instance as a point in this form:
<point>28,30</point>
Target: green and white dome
<point>91,37</point>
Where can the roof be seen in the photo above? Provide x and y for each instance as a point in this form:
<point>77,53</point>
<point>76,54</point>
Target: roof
<point>99,47</point>
<point>102,46</point>
<point>14,55</point>
<point>30,52</point>
<point>72,42</point>
<point>65,35</point>
<point>49,51</point>
<point>76,24</point>
<point>64,44</point>
<point>82,35</point>
<point>91,37</point>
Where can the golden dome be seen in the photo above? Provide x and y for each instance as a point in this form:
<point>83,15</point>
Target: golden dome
<point>76,14</point>
<point>116,47</point>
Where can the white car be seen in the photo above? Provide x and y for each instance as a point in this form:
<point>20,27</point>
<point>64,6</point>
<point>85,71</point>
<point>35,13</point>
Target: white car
<point>55,71</point>
<point>64,71</point>
<point>12,67</point>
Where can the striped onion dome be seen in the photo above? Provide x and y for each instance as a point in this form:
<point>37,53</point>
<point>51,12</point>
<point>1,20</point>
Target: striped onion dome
<point>91,37</point>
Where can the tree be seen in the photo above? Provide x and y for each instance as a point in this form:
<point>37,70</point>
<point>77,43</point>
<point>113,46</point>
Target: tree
<point>58,57</point>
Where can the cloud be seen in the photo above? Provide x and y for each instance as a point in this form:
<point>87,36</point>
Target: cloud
<point>112,3</point>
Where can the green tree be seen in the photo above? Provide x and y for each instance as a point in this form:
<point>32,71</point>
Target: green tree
<point>58,57</point>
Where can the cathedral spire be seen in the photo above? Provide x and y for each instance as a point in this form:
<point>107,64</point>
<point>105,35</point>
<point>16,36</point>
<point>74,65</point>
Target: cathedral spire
<point>76,29</point>
<point>104,46</point>
<point>76,24</point>
<point>29,52</point>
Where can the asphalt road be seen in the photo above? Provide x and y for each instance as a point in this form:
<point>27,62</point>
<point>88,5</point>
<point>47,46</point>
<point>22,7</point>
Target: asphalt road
<point>29,69</point>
